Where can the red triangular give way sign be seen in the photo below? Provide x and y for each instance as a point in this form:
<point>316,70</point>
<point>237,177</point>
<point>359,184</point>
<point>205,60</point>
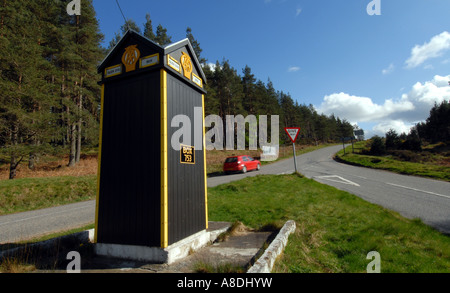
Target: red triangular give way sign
<point>292,133</point>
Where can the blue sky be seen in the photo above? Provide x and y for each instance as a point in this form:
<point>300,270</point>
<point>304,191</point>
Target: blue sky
<point>380,71</point>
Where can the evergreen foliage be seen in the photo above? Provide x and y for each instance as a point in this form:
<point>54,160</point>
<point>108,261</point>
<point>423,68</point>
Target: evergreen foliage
<point>48,89</point>
<point>437,126</point>
<point>378,146</point>
<point>435,129</point>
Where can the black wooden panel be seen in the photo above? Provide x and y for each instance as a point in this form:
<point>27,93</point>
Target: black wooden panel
<point>129,199</point>
<point>186,183</point>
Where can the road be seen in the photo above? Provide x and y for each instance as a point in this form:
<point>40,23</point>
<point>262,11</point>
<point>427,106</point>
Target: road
<point>412,197</point>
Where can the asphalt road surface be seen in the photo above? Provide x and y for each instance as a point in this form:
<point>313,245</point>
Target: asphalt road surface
<point>412,197</point>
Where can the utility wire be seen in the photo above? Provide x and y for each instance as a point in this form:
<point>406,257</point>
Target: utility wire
<point>124,18</point>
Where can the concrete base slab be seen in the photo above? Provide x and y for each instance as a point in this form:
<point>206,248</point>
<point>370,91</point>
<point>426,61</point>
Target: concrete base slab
<point>160,255</point>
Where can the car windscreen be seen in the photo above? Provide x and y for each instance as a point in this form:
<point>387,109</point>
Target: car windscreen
<point>231,160</point>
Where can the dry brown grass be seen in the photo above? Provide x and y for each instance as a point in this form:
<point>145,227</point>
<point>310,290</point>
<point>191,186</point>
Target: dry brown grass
<point>88,165</point>
<point>14,266</point>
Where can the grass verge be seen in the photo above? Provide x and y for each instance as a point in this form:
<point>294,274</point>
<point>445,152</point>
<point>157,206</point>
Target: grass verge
<point>335,229</point>
<point>389,163</point>
<point>27,194</point>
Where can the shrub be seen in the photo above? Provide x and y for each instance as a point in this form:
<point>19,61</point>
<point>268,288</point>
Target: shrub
<point>377,147</point>
<point>411,143</point>
<point>406,155</point>
<point>392,140</point>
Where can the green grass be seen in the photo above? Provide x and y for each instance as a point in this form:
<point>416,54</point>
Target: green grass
<point>21,195</point>
<point>389,163</point>
<point>335,229</point>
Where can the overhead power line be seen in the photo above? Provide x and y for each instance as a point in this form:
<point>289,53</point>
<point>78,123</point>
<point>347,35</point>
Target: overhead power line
<point>124,18</point>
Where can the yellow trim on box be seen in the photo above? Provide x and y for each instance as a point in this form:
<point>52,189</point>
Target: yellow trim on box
<point>111,67</point>
<point>102,102</point>
<point>204,162</point>
<point>151,64</point>
<point>164,173</point>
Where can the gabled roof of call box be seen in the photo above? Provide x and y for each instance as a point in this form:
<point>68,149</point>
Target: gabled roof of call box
<point>164,51</point>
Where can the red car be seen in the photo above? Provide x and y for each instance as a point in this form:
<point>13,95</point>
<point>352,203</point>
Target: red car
<point>241,164</point>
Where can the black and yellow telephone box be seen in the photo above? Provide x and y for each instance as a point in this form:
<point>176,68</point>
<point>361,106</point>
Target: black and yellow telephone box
<point>151,191</point>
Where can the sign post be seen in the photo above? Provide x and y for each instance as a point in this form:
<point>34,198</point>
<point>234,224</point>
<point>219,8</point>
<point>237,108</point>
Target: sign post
<point>293,132</point>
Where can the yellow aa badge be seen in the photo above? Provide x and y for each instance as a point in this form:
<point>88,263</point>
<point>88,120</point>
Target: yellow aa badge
<point>131,57</point>
<point>187,65</point>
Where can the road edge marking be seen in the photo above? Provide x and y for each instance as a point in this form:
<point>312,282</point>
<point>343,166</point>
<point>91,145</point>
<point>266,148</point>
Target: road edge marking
<point>419,190</point>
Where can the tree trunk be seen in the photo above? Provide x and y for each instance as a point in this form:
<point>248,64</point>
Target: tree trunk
<point>78,145</point>
<point>80,103</point>
<point>32,155</point>
<point>12,167</point>
<point>79,124</point>
<point>72,160</point>
<point>13,162</point>
<point>31,160</point>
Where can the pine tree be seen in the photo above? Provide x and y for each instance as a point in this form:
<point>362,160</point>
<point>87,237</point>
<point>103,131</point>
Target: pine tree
<point>249,91</point>
<point>228,89</point>
<point>21,85</point>
<point>130,24</point>
<point>211,99</point>
<point>114,41</point>
<point>48,85</point>
<point>392,140</point>
<point>88,40</point>
<point>161,36</point>
<point>78,61</point>
<point>148,28</point>
<point>437,126</point>
<point>195,45</point>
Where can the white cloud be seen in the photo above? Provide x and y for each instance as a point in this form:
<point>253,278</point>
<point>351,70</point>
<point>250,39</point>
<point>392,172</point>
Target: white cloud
<point>362,109</point>
<point>400,114</point>
<point>293,69</point>
<point>212,66</point>
<point>398,125</point>
<point>434,48</point>
<point>389,69</point>
<point>298,11</point>
<point>424,95</point>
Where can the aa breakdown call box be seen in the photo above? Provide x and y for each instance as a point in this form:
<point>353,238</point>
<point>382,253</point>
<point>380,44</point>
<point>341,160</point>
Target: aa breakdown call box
<point>149,193</point>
